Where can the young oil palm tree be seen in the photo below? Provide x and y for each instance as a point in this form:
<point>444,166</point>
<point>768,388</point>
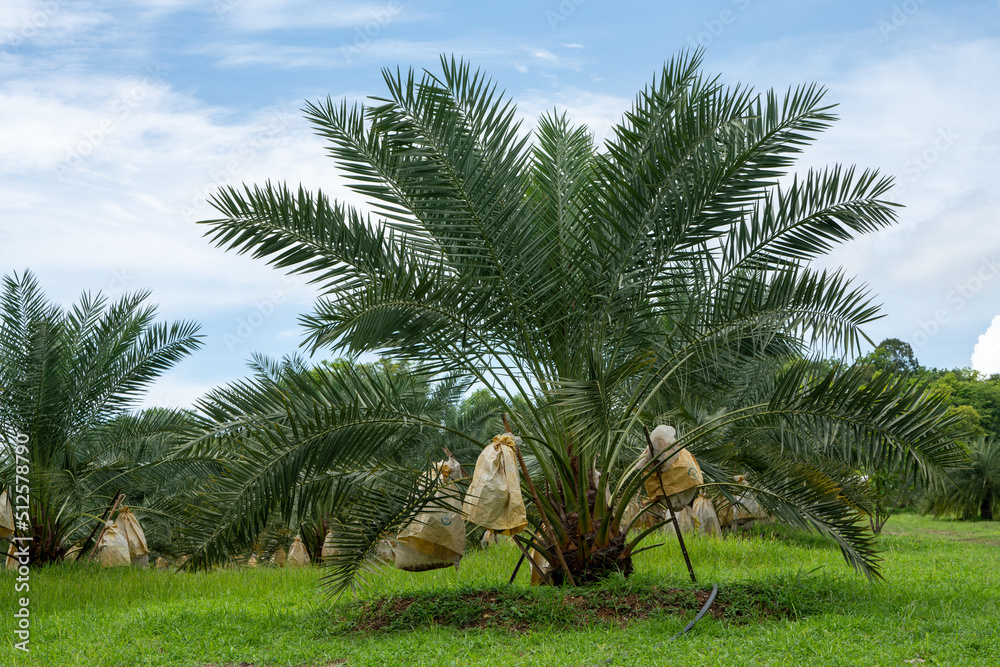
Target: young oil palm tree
<point>68,378</point>
<point>579,284</point>
<point>301,447</point>
<point>974,489</point>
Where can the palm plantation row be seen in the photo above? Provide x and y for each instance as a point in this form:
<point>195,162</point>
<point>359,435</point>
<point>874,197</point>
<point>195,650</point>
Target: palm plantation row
<point>584,291</point>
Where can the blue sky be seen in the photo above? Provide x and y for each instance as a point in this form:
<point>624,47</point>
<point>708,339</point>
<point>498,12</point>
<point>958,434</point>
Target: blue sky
<point>120,117</point>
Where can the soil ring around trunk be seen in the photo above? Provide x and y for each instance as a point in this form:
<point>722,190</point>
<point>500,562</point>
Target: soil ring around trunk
<point>518,610</point>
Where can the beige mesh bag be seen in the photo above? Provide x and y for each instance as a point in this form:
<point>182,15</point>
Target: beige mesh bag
<point>704,518</point>
<point>678,475</point>
<point>134,535</point>
<point>328,550</point>
<point>436,537</point>
<point>6,516</point>
<point>297,554</point>
<point>112,550</point>
<point>494,499</point>
<point>746,511</point>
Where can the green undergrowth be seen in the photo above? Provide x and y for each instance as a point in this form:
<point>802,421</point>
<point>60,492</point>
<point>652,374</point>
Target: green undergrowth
<point>784,599</point>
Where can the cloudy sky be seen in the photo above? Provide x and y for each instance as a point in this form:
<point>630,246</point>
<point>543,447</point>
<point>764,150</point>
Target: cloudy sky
<point>120,117</point>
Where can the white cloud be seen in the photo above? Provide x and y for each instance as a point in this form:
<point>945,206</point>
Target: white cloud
<point>171,391</point>
<point>599,112</point>
<point>986,355</point>
<point>122,217</point>
<point>55,120</point>
<point>919,109</point>
<point>544,54</point>
<point>134,179</point>
<point>17,13</point>
<point>350,52</point>
<point>553,61</point>
<point>45,22</point>
<point>269,15</point>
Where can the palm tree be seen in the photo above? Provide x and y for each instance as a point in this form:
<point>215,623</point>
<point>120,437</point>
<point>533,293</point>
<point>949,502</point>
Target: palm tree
<point>69,378</point>
<point>578,285</point>
<point>451,403</point>
<point>974,489</point>
<point>304,447</point>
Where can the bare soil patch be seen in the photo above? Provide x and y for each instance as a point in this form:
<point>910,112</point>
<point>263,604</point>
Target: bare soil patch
<point>521,611</point>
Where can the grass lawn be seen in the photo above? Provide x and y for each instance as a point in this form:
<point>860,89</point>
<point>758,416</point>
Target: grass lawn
<point>784,599</point>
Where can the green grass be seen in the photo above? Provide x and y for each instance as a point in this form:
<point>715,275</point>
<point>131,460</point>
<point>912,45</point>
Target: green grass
<point>786,599</point>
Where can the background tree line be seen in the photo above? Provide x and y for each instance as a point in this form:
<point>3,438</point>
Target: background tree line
<point>974,397</point>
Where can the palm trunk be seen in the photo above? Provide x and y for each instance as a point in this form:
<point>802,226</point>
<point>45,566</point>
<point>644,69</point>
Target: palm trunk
<point>588,564</point>
<point>986,507</point>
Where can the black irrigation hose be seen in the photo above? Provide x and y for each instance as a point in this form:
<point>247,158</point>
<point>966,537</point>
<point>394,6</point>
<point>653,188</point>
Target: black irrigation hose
<point>704,610</point>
